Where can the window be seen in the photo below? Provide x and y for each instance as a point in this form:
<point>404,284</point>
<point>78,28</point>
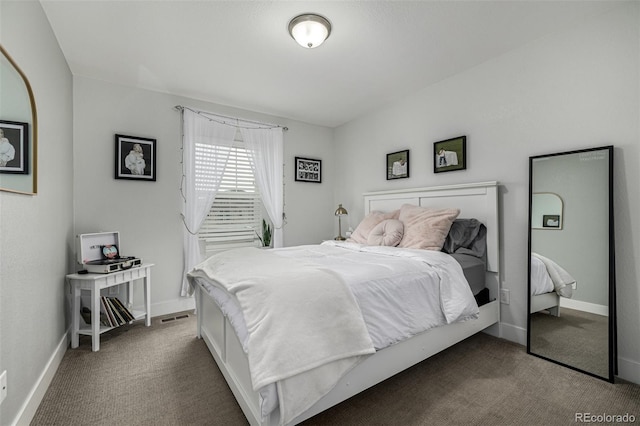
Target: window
<point>236,213</point>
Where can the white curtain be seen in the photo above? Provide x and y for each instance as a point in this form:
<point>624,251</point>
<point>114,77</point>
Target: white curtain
<point>266,147</point>
<point>216,138</point>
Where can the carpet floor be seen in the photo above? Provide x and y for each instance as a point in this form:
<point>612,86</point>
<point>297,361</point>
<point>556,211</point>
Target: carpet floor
<point>164,375</point>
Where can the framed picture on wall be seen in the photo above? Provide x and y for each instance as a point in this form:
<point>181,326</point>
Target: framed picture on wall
<point>450,155</point>
<point>308,170</point>
<point>135,158</point>
<point>398,165</point>
<point>14,147</point>
<point>551,221</point>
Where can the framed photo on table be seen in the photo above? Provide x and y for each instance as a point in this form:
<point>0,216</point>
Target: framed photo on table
<point>450,155</point>
<point>14,147</point>
<point>308,170</point>
<point>135,158</point>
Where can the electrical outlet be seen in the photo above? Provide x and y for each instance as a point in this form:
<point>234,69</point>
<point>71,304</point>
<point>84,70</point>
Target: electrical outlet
<point>3,386</point>
<point>504,296</point>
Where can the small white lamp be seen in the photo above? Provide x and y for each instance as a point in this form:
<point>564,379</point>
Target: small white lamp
<point>340,211</point>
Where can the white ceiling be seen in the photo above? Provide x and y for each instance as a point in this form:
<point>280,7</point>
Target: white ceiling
<point>239,53</point>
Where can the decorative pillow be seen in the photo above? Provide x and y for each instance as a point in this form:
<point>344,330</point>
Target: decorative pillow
<point>387,233</point>
<point>363,229</point>
<point>424,227</point>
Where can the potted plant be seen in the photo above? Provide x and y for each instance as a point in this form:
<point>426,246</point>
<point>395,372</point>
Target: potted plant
<point>265,238</point>
<point>266,234</point>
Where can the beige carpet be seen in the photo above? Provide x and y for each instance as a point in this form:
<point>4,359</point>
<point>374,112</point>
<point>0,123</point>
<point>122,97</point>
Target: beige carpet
<point>163,375</point>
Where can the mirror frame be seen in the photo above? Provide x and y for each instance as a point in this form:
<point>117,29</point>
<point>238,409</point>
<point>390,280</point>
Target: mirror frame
<point>33,149</point>
<point>612,327</point>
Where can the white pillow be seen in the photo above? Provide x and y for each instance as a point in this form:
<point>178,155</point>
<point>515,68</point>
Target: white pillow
<point>363,229</point>
<point>387,233</point>
<point>424,227</point>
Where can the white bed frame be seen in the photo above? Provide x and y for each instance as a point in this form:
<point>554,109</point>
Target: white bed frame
<point>547,301</point>
<point>477,200</point>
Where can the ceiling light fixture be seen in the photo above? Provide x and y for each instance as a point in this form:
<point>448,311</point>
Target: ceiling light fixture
<point>309,30</point>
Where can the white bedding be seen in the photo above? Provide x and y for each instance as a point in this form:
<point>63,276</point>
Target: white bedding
<point>400,292</point>
<point>540,279</point>
<point>548,276</point>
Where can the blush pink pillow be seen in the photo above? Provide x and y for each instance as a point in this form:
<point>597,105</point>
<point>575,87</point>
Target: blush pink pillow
<point>387,233</point>
<point>424,227</point>
<point>361,233</point>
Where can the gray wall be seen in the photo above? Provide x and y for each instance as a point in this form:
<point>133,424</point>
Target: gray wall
<point>571,90</point>
<point>147,214</point>
<point>35,248</point>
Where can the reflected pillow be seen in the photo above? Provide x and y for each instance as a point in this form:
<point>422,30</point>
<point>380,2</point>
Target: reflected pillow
<point>387,233</point>
<point>361,234</point>
<point>425,227</point>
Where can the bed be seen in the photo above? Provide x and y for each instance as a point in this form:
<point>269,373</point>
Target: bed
<point>218,325</point>
<point>549,282</point>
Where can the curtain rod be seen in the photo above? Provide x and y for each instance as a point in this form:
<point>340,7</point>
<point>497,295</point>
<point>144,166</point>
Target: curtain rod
<point>268,125</point>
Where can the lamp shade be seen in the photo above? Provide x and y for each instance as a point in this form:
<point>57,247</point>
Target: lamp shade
<point>309,30</point>
<point>341,211</point>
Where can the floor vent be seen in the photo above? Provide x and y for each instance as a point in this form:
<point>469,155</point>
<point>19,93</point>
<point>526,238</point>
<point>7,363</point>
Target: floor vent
<point>174,318</point>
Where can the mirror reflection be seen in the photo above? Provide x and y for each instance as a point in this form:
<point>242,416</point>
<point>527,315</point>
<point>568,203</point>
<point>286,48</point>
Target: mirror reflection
<point>546,211</point>
<point>571,253</point>
<point>18,129</point>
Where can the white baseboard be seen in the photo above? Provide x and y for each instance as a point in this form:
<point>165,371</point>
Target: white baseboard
<point>172,306</point>
<point>629,370</point>
<point>31,404</point>
<point>513,333</point>
<point>579,305</point>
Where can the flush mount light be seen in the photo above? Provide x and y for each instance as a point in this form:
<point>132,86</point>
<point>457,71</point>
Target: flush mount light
<point>309,30</point>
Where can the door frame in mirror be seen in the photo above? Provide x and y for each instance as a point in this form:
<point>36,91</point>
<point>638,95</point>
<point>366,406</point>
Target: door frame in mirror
<point>33,148</point>
<point>612,322</point>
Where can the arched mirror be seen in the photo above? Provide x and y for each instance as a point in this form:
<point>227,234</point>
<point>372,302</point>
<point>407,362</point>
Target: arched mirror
<point>572,315</point>
<point>18,130</point>
<point>546,211</point>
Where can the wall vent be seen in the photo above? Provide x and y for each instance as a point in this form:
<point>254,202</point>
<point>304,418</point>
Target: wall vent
<point>178,317</point>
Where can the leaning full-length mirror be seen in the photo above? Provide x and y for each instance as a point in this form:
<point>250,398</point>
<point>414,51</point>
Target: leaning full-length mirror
<point>571,261</point>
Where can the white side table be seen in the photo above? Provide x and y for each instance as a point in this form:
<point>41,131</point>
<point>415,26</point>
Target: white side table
<point>94,283</point>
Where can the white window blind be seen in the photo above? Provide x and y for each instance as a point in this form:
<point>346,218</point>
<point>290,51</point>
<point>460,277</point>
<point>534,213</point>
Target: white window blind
<point>236,213</point>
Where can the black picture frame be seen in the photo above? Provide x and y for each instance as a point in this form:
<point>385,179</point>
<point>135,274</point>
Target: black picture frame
<point>398,165</point>
<point>551,221</point>
<point>128,164</point>
<point>308,170</point>
<point>450,155</point>
<point>14,147</point>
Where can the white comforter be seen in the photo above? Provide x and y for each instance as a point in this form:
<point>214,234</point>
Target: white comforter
<point>400,293</point>
<point>548,276</point>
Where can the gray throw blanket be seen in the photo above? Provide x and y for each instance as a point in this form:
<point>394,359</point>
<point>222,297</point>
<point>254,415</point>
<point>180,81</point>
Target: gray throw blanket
<point>466,236</point>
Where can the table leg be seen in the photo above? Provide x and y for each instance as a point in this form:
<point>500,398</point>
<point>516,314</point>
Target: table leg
<point>147,297</point>
<point>75,315</point>
<point>198,297</point>
<point>130,296</point>
<point>95,318</point>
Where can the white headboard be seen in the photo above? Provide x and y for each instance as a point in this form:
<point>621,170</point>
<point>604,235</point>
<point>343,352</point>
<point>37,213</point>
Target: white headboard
<point>475,200</point>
